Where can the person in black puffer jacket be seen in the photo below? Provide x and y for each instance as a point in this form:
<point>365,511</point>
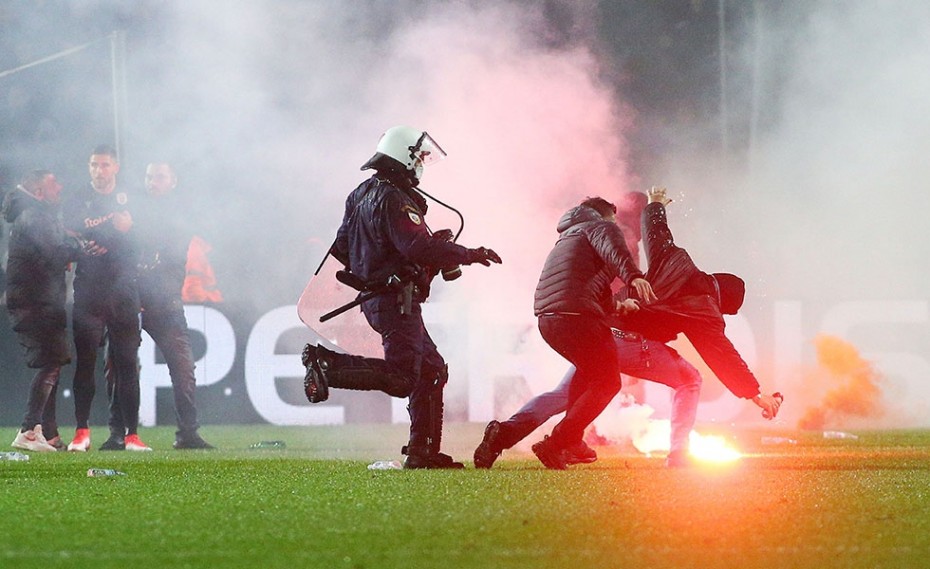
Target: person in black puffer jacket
<point>39,253</point>
<point>572,302</point>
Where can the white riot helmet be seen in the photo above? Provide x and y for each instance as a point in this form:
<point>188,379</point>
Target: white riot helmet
<point>407,150</point>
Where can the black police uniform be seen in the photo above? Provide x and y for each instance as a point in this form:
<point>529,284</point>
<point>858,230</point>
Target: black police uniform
<point>384,233</point>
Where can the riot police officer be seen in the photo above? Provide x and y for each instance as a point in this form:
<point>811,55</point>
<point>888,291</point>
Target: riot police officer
<point>387,247</point>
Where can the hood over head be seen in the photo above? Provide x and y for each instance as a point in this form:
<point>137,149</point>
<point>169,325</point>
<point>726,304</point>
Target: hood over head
<point>16,202</point>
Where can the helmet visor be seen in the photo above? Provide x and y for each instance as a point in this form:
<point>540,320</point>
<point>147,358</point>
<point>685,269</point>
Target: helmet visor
<point>427,151</point>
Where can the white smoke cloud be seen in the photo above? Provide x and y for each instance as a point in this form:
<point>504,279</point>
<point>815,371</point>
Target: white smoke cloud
<point>830,205</point>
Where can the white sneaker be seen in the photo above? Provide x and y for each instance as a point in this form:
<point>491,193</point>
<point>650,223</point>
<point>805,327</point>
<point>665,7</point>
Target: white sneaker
<point>32,440</point>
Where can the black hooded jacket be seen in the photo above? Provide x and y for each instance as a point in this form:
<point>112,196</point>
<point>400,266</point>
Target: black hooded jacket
<point>39,252</point>
<point>589,254</point>
<point>688,304</point>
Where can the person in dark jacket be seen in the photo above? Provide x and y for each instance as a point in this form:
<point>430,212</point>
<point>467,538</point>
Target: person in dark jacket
<point>164,238</point>
<point>39,253</point>
<point>106,300</point>
<point>387,247</point>
<point>690,302</point>
<point>572,302</point>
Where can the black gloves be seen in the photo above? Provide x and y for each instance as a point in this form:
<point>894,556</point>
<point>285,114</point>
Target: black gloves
<point>482,255</point>
<point>444,235</point>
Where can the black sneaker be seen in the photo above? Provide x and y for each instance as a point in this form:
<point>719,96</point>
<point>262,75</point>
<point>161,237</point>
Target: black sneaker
<point>550,455</point>
<point>56,443</point>
<point>431,461</point>
<point>487,452</point>
<point>192,442</point>
<point>580,453</point>
<point>115,442</point>
<point>315,386</point>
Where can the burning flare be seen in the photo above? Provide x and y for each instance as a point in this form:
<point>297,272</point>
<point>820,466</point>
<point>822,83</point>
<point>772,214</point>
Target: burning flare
<point>706,448</point>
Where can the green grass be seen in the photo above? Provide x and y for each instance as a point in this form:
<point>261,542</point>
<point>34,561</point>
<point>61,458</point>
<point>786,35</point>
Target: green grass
<point>820,503</point>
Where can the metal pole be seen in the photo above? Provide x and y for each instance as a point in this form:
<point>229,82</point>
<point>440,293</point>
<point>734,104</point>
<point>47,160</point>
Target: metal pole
<point>722,47</point>
<point>118,62</point>
<point>756,94</point>
<point>59,55</point>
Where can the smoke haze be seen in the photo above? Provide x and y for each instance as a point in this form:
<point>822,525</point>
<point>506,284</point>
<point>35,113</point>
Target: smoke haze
<point>268,109</point>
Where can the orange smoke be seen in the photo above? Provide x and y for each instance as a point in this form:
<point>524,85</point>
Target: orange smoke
<point>857,393</point>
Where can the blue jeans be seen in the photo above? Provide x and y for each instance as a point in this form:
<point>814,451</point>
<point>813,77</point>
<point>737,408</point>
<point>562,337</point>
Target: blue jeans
<point>645,359</point>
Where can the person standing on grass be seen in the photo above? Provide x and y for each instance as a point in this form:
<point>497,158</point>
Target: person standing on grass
<point>164,237</point>
<point>572,302</point>
<point>106,300</point>
<point>38,257</point>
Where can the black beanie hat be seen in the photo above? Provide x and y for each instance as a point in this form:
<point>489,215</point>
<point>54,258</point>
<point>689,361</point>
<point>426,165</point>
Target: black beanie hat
<point>730,290</point>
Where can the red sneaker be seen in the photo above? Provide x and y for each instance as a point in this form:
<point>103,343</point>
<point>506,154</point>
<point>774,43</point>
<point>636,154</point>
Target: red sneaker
<point>133,442</point>
<point>81,441</point>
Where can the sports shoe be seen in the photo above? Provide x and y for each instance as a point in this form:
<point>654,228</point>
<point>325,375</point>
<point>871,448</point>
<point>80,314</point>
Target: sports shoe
<point>115,442</point>
<point>315,386</point>
<point>81,441</point>
<point>192,442</point>
<point>32,440</point>
<point>580,453</point>
<point>431,461</point>
<point>550,455</point>
<point>133,443</point>
<point>56,442</point>
<point>488,451</point>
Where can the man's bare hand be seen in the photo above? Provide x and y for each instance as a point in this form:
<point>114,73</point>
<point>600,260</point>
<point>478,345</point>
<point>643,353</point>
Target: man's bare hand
<point>644,290</point>
<point>122,221</point>
<point>627,306</point>
<point>92,249</point>
<point>769,404</point>
<point>658,195</point>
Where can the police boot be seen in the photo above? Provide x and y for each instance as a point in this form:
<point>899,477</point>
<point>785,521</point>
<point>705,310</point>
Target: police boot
<point>423,451</point>
<point>343,371</point>
<point>315,387</point>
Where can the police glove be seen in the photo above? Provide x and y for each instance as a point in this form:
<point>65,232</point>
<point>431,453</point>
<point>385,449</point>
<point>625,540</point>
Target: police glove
<point>482,255</point>
<point>444,235</point>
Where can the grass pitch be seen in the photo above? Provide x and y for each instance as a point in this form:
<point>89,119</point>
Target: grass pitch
<point>819,503</point>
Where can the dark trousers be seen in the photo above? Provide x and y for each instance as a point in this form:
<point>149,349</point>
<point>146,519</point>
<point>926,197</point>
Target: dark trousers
<point>409,349</point>
<point>41,391</point>
<point>118,318</point>
<point>587,342</point>
<point>164,321</point>
<point>166,324</point>
<point>43,333</point>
